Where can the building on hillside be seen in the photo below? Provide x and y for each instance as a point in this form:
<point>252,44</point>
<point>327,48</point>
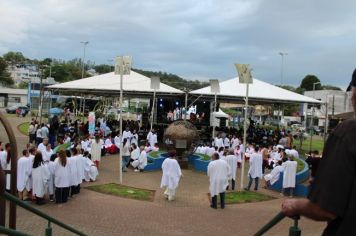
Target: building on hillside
<point>23,73</point>
<point>10,97</point>
<point>334,102</point>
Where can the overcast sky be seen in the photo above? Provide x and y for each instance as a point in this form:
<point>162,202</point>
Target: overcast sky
<point>194,39</point>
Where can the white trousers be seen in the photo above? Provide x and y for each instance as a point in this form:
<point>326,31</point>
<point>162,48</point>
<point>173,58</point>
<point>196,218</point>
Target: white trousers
<point>170,193</point>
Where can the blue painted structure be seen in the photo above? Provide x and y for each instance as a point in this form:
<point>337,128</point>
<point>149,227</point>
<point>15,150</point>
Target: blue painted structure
<point>155,163</point>
<point>198,163</point>
<point>300,190</point>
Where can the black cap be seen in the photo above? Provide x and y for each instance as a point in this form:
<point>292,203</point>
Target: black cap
<point>353,81</point>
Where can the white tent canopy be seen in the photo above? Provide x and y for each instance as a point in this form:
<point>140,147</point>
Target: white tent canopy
<point>109,83</point>
<point>258,91</point>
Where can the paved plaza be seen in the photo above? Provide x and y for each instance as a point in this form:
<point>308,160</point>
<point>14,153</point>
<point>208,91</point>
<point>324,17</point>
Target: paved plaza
<point>99,214</point>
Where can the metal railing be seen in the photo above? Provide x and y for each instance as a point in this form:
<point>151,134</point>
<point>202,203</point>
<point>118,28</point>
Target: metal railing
<point>50,219</point>
<point>293,231</point>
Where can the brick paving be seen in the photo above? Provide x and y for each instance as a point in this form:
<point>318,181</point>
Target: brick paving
<point>99,214</point>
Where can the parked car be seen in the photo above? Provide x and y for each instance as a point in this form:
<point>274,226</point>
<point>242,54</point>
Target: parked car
<point>23,109</point>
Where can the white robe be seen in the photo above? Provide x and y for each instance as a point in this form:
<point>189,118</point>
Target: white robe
<point>231,160</point>
<point>127,135</point>
<point>73,179</point>
<point>117,141</point>
<point>219,142</point>
<point>51,167</point>
<point>135,154</point>
<point>108,143</point>
<point>134,139</point>
<point>23,173</point>
<point>91,171</point>
<point>218,172</point>
<point>96,150</point>
<point>255,165</point>
<point>41,147</point>
<point>235,143</point>
<point>152,138</point>
<point>141,162</point>
<point>29,182</point>
<point>61,174</point>
<point>46,155</point>
<point>274,175</point>
<point>171,173</point>
<point>40,177</point>
<point>289,174</point>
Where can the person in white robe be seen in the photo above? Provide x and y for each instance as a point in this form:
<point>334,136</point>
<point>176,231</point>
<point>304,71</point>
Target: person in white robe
<point>170,176</point>
<point>51,186</point>
<point>141,162</point>
<point>289,175</point>
<point>24,171</point>
<point>210,150</point>
<point>235,142</point>
<point>135,153</point>
<point>274,175</point>
<point>231,160</point>
<point>152,137</point>
<point>134,138</point>
<point>5,160</point>
<point>117,141</point>
<point>42,146</point>
<point>238,154</point>
<point>219,174</point>
<point>95,151</point>
<point>40,177</point>
<point>47,153</point>
<point>73,177</point>
<point>255,170</point>
<point>127,134</point>
<point>61,177</point>
<point>90,171</point>
<point>226,142</point>
<point>78,176</point>
<point>218,142</point>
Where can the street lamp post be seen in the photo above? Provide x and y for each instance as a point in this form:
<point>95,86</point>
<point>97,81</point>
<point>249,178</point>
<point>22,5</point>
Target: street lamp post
<point>282,64</point>
<point>122,67</point>
<point>312,119</point>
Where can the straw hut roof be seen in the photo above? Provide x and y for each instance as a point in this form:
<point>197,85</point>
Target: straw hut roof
<point>182,129</point>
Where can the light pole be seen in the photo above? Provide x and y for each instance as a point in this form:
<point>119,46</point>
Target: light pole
<point>282,64</point>
<point>85,43</point>
<point>122,67</point>
<point>312,118</point>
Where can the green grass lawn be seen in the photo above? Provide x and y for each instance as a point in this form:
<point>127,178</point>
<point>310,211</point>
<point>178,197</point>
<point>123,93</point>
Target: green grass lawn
<point>156,154</point>
<point>24,128</point>
<point>300,166</point>
<point>245,196</point>
<point>204,157</point>
<point>317,144</point>
<point>124,191</point>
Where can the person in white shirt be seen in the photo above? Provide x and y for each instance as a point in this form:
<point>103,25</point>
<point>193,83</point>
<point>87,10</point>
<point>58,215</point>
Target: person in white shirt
<point>235,142</point>
<point>152,137</point>
<point>61,177</point>
<point>226,141</point>
<point>135,153</point>
<point>40,177</point>
<point>42,146</point>
<point>238,154</point>
<point>170,176</point>
<point>95,152</point>
<point>289,175</point>
<point>125,154</point>
<point>210,150</point>
<point>255,171</point>
<point>44,131</point>
<point>23,173</point>
<point>141,162</point>
<point>117,140</point>
<point>47,153</point>
<point>91,171</point>
<point>273,176</point>
<point>231,160</point>
<point>127,134</point>
<point>134,138</point>
<point>218,172</point>
<point>218,142</point>
<point>5,160</point>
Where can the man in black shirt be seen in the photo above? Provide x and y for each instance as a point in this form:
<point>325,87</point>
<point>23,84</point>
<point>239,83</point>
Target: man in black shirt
<point>332,197</point>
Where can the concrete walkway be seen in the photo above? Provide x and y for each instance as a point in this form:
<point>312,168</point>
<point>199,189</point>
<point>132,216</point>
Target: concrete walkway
<point>100,214</point>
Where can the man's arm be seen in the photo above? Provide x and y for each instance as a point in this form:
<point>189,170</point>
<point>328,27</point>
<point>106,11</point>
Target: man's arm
<point>304,207</point>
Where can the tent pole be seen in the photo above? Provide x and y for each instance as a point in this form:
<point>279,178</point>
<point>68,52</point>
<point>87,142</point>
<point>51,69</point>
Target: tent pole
<point>121,144</point>
<point>244,141</point>
<point>153,107</point>
<point>213,134</point>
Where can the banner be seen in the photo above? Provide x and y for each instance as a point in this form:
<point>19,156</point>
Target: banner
<point>244,72</point>
<point>91,120</point>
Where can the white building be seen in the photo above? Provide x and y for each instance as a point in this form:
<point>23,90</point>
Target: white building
<point>10,97</point>
<point>334,102</point>
<point>24,73</point>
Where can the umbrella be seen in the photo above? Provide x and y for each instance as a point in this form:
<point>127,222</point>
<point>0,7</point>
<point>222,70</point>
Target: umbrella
<point>56,111</point>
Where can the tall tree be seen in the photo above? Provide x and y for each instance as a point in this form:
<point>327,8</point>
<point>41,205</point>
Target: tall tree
<point>14,57</point>
<point>308,81</point>
<point>5,77</point>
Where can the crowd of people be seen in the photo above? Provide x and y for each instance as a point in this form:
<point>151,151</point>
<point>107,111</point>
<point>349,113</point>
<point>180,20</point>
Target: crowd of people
<point>41,172</point>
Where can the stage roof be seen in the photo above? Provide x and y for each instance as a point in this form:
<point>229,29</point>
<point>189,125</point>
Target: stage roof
<point>259,91</point>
